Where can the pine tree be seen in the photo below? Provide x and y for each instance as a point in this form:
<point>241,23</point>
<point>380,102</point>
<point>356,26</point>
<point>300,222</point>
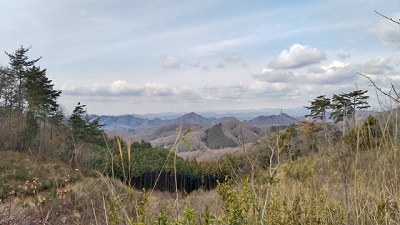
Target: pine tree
<point>6,87</point>
<point>28,98</point>
<point>77,122</point>
<point>319,108</point>
<point>345,106</point>
<point>19,65</point>
<point>82,128</point>
<point>41,101</point>
<point>341,108</point>
<point>7,95</point>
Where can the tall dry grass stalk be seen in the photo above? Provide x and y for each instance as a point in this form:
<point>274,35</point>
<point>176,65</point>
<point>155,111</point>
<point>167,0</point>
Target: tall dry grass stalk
<point>141,204</point>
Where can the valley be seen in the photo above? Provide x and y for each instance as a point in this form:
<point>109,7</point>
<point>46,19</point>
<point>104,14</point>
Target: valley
<point>206,133</point>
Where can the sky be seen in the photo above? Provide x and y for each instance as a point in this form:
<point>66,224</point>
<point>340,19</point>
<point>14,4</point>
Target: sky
<point>136,57</point>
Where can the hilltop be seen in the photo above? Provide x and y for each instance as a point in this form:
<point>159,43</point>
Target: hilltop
<point>207,132</point>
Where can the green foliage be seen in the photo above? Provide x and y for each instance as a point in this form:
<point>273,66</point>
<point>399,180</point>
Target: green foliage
<point>146,167</point>
<point>114,210</point>
<point>29,100</point>
<point>345,105</point>
<point>381,211</point>
<point>141,208</point>
<point>287,142</point>
<point>189,215</point>
<point>319,108</point>
<point>309,131</point>
<point>371,133</point>
<point>40,95</point>
<point>235,205</point>
<point>163,218</point>
<point>300,170</point>
<point>83,129</point>
<point>208,218</point>
<point>368,136</point>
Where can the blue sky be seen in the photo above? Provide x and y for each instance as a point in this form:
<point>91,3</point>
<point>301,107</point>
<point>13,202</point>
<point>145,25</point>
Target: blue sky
<point>123,57</point>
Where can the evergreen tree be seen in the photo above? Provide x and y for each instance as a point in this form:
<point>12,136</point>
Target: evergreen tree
<point>345,106</point>
<point>358,101</point>
<point>319,107</point>
<point>83,129</point>
<point>77,122</point>
<point>18,66</point>
<point>28,97</point>
<point>341,108</point>
<point>6,87</point>
<point>7,95</point>
<point>318,110</point>
<point>309,130</point>
<point>41,101</point>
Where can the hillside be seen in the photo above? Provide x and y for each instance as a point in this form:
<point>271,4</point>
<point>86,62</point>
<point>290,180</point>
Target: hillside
<point>272,120</point>
<point>330,186</point>
<point>132,123</point>
<point>206,133</point>
<point>231,133</point>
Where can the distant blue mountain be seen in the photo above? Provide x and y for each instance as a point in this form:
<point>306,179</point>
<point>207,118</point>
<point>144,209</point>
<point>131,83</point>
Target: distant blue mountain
<point>131,123</point>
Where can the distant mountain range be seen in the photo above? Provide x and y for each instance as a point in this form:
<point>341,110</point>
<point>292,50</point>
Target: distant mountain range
<point>206,132</point>
<point>242,114</point>
<point>131,123</point>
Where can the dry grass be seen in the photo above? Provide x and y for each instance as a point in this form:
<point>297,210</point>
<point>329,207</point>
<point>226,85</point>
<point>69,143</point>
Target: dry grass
<point>338,185</point>
<point>211,155</point>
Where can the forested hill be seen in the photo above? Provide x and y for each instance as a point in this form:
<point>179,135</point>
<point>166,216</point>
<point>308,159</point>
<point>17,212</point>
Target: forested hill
<point>131,123</point>
<point>213,133</point>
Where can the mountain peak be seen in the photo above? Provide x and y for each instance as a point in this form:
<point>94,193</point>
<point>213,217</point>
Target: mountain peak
<point>191,114</point>
<point>272,120</point>
<point>193,118</point>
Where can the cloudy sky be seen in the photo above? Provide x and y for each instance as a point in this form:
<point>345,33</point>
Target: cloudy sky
<point>124,57</point>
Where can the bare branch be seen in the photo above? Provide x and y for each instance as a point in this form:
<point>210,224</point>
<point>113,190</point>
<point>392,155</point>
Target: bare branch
<point>396,99</point>
<point>394,90</point>
<point>391,19</point>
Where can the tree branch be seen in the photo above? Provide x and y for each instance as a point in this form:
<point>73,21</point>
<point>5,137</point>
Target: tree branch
<point>380,89</point>
<point>391,19</point>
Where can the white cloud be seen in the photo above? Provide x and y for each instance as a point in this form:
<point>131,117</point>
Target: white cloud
<point>297,56</point>
<point>388,31</point>
<point>117,88</point>
<point>155,89</point>
<point>335,73</point>
<point>123,87</point>
<point>241,92</point>
<point>171,62</point>
<point>378,65</point>
<point>276,76</point>
<point>334,66</point>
